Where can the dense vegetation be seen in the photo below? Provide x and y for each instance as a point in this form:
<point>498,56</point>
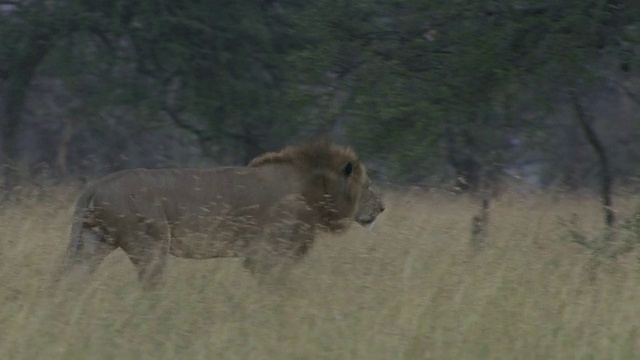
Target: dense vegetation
<point>426,91</point>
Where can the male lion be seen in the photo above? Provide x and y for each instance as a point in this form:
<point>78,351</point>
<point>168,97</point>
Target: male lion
<point>266,213</point>
<point>369,207</point>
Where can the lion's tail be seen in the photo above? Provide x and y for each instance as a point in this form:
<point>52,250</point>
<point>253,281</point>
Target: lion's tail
<point>83,204</point>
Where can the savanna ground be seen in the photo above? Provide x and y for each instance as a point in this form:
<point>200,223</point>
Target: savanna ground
<point>411,288</point>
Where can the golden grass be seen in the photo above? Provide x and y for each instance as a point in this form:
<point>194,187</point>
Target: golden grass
<point>410,289</point>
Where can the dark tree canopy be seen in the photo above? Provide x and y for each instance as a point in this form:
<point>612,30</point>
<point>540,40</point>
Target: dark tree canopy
<point>425,90</point>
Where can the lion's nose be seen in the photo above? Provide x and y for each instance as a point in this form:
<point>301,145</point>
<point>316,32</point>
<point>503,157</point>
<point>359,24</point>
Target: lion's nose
<point>381,208</point>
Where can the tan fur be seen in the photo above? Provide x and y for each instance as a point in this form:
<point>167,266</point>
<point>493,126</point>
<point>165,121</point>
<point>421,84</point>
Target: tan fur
<point>266,213</point>
<point>369,207</point>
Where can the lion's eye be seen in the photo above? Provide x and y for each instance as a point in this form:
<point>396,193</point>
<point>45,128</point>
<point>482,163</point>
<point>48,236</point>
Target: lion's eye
<point>348,169</point>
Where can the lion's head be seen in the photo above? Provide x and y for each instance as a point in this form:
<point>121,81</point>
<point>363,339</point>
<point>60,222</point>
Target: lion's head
<point>332,179</point>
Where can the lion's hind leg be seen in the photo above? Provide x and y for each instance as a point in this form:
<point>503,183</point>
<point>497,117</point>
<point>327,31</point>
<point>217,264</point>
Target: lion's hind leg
<point>88,247</point>
<point>148,252</point>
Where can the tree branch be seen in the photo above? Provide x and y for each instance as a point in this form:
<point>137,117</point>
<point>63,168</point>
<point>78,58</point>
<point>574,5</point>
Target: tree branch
<point>203,139</point>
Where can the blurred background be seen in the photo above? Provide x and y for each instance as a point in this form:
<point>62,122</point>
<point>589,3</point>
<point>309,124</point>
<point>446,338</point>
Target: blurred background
<point>461,93</point>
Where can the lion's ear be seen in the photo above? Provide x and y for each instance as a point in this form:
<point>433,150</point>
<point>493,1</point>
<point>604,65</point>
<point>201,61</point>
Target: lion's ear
<point>347,170</point>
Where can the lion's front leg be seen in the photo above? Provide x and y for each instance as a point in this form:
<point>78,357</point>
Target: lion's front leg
<point>280,247</point>
<point>262,259</point>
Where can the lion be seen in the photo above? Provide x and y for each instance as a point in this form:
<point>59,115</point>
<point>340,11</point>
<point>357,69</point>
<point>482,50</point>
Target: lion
<point>369,207</point>
<point>266,213</point>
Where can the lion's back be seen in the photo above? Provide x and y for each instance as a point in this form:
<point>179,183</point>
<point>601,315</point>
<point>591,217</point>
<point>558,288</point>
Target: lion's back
<point>189,189</point>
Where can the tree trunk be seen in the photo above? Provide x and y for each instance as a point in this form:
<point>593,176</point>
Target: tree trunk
<point>10,126</point>
<point>466,166</point>
<point>606,179</point>
<point>22,69</point>
<point>62,166</point>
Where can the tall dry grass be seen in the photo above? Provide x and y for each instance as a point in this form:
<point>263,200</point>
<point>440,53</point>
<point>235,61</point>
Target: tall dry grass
<point>410,289</point>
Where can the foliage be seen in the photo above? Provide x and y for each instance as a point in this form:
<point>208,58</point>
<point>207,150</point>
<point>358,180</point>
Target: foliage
<point>416,69</point>
<point>415,84</point>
